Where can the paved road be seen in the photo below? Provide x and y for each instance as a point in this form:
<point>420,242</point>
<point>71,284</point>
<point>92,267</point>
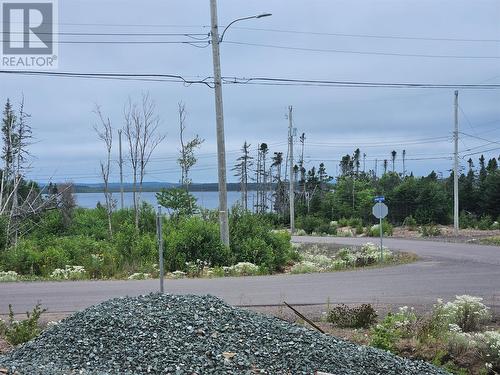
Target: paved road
<point>445,270</point>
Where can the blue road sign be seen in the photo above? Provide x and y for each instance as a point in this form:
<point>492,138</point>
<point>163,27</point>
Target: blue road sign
<point>379,199</point>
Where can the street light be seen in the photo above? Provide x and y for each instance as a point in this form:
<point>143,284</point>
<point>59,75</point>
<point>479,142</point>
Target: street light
<point>219,115</point>
<point>242,19</point>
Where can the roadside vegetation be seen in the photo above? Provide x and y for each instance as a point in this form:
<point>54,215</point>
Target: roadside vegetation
<point>460,335</point>
<point>491,240</point>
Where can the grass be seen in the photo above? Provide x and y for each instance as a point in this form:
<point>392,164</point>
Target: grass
<point>495,240</point>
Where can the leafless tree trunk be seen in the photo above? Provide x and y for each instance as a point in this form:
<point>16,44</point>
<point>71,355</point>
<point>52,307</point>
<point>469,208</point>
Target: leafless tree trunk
<point>187,158</point>
<point>141,129</point>
<point>105,133</point>
<point>66,202</point>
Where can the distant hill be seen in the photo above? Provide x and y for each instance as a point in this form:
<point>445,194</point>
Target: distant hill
<point>153,187</point>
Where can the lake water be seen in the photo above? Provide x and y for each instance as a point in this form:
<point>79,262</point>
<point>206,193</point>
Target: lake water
<point>205,199</point>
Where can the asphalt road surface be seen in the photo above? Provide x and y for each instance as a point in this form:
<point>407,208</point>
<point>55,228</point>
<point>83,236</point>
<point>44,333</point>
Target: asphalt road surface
<point>445,270</point>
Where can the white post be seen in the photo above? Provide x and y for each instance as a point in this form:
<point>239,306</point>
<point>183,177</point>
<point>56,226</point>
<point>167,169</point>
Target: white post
<point>160,247</point>
<point>381,241</point>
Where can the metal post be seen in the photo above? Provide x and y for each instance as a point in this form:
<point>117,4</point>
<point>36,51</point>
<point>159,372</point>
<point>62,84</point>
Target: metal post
<point>292,192</point>
<point>159,225</point>
<point>381,241</point>
<point>221,148</point>
<point>120,162</point>
<point>455,170</point>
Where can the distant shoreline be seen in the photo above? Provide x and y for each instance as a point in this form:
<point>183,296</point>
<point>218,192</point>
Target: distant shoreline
<point>156,187</point>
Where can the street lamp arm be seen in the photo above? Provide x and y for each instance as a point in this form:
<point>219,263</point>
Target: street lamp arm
<point>241,19</point>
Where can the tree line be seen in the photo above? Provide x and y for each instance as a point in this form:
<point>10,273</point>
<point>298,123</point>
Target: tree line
<point>427,199</point>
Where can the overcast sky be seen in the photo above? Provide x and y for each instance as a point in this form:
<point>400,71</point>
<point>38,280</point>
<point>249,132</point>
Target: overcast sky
<point>335,120</point>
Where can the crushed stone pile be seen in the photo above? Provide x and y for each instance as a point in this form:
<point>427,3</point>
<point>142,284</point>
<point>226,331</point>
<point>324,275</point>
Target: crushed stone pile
<point>171,334</point>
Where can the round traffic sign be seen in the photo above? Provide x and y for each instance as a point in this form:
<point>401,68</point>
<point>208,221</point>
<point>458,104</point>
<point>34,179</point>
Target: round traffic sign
<point>380,210</point>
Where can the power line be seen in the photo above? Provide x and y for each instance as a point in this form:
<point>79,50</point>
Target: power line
<point>329,83</point>
<point>128,34</point>
<point>481,152</point>
<point>119,76</point>
<point>192,42</point>
<point>208,81</point>
<point>300,32</point>
<point>476,147</point>
<point>360,52</point>
<point>440,39</point>
<point>480,138</point>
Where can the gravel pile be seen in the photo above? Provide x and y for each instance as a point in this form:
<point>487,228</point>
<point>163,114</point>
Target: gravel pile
<point>168,334</point>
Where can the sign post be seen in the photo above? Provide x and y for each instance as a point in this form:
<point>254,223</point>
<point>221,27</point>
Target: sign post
<point>160,246</point>
<point>380,210</point>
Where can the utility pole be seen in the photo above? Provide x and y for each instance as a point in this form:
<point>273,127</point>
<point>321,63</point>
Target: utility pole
<point>221,147</point>
<point>404,166</point>
<point>376,167</point>
<point>292,193</point>
<point>120,162</point>
<point>455,170</point>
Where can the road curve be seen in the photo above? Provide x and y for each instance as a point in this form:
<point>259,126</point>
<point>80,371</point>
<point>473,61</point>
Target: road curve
<point>445,270</point>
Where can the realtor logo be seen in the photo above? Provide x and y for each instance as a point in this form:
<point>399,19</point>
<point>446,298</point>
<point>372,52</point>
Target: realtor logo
<point>29,34</point>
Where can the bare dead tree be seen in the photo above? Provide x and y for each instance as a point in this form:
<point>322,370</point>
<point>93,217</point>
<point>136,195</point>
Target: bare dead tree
<point>66,202</point>
<point>17,136</point>
<point>104,132</point>
<point>242,168</point>
<point>142,132</point>
<point>187,158</point>
<point>9,121</point>
<point>29,210</point>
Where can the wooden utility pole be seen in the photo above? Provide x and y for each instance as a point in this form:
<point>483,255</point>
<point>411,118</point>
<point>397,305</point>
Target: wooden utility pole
<point>455,170</point>
<point>120,162</point>
<point>290,153</point>
<point>404,165</point>
<point>219,113</point>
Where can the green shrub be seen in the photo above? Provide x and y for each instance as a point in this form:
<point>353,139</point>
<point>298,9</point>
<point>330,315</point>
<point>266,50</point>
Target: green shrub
<point>49,224</point>
<point>355,222</point>
<point>467,220</point>
<point>192,238</point>
<point>410,223</point>
<point>430,230</point>
<point>304,267</point>
<point>467,312</point>
<point>242,269</point>
<point>326,228</point>
<point>387,229</point>
<point>26,259</point>
<point>309,223</point>
<point>91,223</point>
<point>9,276</point>
<point>393,328</point>
<point>485,222</point>
<point>384,335</point>
<point>343,222</point>
<point>253,240</point>
<point>352,317</point>
<point>19,332</point>
<point>488,345</point>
